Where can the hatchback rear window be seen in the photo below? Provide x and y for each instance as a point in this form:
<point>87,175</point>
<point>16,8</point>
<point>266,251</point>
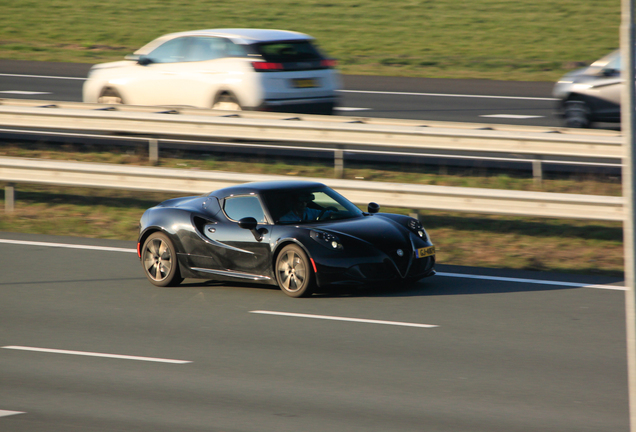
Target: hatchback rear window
<point>284,52</point>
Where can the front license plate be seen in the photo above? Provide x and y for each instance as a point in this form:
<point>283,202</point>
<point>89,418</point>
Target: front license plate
<point>305,82</point>
<point>427,251</point>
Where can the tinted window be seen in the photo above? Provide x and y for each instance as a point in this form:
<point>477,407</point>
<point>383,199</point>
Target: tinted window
<point>236,208</point>
<point>294,51</point>
<point>210,48</point>
<point>281,202</point>
<point>169,52</point>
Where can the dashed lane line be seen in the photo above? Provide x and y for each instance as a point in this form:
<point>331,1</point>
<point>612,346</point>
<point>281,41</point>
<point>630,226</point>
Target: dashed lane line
<point>4,413</point>
<point>512,116</point>
<point>336,318</point>
<point>24,92</point>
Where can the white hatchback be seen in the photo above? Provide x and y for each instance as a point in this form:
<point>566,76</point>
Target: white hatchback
<point>232,69</point>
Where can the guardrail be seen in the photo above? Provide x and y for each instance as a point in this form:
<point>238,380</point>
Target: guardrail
<point>409,196</point>
<point>328,133</point>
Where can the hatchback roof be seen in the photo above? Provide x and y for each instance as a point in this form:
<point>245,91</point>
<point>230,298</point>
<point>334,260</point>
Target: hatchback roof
<point>246,36</point>
<point>239,36</point>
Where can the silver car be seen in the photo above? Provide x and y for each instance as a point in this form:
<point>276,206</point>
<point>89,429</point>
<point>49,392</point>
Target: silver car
<point>591,94</point>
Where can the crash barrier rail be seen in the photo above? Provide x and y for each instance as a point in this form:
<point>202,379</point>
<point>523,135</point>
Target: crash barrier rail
<point>337,134</point>
<point>409,196</point>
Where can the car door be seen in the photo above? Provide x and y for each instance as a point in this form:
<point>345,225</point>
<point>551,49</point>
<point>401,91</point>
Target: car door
<point>241,252</point>
<point>208,66</point>
<point>158,77</point>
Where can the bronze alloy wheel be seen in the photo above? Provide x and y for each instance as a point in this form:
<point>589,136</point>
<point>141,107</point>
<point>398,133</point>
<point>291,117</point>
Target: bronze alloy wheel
<point>159,259</point>
<point>294,273</point>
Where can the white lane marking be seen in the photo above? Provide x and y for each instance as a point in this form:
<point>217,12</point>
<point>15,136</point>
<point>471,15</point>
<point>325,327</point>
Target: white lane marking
<point>93,354</point>
<point>334,318</point>
<point>24,92</point>
<point>66,245</point>
<point>4,413</point>
<point>512,116</point>
<point>40,76</point>
<point>532,281</point>
<point>457,275</point>
<point>449,95</point>
<point>351,109</point>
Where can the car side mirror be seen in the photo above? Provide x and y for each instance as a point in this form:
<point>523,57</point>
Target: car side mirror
<point>144,60</point>
<point>373,207</point>
<point>610,72</point>
<point>248,223</point>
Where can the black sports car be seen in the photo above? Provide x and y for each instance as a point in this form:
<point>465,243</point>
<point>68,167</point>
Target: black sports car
<point>295,234</point>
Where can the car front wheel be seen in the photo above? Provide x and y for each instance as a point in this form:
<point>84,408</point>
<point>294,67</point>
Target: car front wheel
<point>294,273</point>
<point>159,258</point>
<point>577,114</point>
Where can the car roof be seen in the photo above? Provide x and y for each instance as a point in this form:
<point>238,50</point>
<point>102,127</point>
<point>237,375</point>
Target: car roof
<point>245,35</point>
<point>242,36</point>
<point>266,186</point>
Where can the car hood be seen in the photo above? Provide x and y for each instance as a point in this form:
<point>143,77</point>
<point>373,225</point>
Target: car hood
<point>381,232</point>
<point>564,86</point>
<point>111,65</point>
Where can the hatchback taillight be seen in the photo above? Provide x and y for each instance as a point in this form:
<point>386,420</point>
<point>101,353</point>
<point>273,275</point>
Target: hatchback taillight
<point>328,63</point>
<point>261,66</point>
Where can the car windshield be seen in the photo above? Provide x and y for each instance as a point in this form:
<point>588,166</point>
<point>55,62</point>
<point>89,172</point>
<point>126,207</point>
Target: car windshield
<point>308,205</point>
<point>290,51</point>
<point>611,61</point>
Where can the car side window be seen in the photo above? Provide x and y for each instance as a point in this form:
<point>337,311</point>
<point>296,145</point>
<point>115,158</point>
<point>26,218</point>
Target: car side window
<point>237,208</point>
<point>210,48</point>
<point>171,51</point>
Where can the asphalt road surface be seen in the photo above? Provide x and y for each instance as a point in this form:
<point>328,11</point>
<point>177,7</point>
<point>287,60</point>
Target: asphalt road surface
<point>87,344</point>
<point>473,101</point>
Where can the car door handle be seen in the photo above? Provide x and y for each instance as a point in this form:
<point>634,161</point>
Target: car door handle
<point>212,230</point>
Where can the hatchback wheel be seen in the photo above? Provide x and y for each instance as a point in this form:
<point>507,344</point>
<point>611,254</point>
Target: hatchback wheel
<point>577,114</point>
<point>159,258</point>
<point>226,102</point>
<point>110,96</point>
<point>294,273</point>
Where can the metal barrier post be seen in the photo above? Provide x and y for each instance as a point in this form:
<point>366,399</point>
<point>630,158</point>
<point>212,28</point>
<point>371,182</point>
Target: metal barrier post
<point>9,198</point>
<point>338,156</point>
<point>537,171</point>
<point>153,151</point>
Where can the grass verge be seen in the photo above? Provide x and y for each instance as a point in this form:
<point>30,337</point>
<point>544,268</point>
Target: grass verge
<point>525,40</point>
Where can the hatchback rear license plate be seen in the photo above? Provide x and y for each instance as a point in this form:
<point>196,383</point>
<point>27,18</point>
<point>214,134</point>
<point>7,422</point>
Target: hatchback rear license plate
<point>427,251</point>
<point>305,82</point>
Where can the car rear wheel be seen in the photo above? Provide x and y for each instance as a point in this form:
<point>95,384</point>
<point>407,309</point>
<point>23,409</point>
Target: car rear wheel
<point>159,259</point>
<point>227,102</point>
<point>577,114</point>
<point>294,273</point>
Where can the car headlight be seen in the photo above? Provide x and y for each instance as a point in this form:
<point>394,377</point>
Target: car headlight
<point>417,228</point>
<point>328,240</point>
